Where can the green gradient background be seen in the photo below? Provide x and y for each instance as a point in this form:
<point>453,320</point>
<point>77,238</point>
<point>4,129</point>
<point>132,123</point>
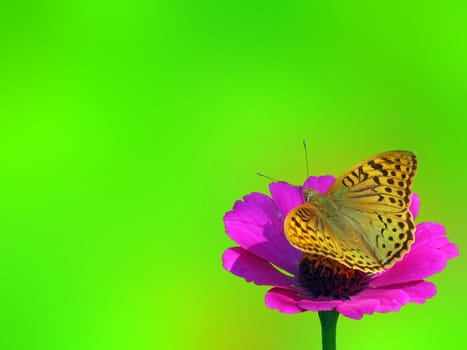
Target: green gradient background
<point>128,128</point>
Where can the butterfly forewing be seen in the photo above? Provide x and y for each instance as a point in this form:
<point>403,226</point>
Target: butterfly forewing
<point>384,180</point>
<point>374,198</point>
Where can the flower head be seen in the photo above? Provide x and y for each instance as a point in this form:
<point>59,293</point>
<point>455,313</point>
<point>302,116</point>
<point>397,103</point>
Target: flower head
<point>310,283</point>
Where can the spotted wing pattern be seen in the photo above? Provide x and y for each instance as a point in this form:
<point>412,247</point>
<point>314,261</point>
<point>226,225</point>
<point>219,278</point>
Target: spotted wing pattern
<point>308,230</point>
<point>373,227</point>
<point>375,195</point>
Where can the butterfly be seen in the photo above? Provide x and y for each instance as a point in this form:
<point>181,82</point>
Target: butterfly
<point>363,221</point>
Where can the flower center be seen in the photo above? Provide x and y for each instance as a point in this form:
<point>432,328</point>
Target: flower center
<point>324,277</point>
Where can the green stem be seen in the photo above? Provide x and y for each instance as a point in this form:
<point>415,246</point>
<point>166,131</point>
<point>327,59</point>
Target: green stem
<point>328,328</point>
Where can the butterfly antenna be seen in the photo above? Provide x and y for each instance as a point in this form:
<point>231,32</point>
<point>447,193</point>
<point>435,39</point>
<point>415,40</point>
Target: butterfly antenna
<point>306,160</point>
<point>267,177</point>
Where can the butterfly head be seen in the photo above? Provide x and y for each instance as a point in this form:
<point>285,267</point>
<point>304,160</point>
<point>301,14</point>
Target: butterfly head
<point>310,195</point>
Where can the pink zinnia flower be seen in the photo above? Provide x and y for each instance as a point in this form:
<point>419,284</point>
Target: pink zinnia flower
<point>265,257</point>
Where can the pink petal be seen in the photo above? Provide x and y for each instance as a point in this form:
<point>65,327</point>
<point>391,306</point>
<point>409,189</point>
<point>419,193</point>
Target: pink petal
<point>389,299</point>
<point>267,205</point>
<point>415,205</point>
<point>286,196</point>
<point>284,252</point>
<point>319,183</point>
<point>254,269</point>
<point>431,235</point>
<point>283,300</point>
<point>319,305</point>
<point>420,291</point>
<point>415,267</point>
<point>252,227</point>
<point>427,256</point>
<point>356,308</point>
<point>451,250</point>
<point>373,300</point>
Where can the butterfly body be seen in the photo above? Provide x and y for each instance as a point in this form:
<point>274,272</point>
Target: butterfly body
<point>363,220</point>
